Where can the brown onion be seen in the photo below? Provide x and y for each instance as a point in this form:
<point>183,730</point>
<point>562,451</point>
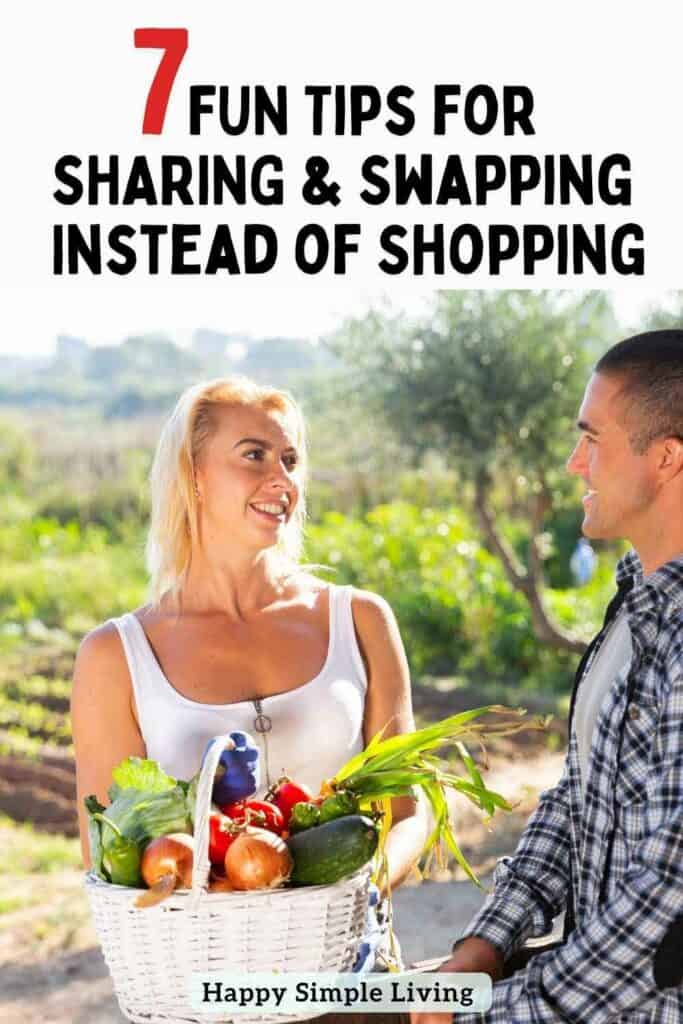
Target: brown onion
<point>219,883</point>
<point>258,859</point>
<point>166,865</point>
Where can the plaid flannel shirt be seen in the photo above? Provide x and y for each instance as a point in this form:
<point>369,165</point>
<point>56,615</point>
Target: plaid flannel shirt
<point>623,838</point>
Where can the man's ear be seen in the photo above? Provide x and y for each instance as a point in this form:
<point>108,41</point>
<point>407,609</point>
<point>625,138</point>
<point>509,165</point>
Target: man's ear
<point>670,458</point>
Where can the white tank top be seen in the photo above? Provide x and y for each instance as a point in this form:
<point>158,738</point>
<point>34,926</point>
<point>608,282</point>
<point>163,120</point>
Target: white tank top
<point>312,730</point>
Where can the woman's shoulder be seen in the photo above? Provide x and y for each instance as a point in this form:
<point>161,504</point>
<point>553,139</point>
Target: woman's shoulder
<point>377,633</point>
<point>101,647</point>
<point>101,703</point>
<point>370,611</point>
<point>370,607</point>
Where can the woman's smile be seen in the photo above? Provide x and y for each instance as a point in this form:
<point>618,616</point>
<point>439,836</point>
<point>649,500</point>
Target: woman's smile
<point>272,511</point>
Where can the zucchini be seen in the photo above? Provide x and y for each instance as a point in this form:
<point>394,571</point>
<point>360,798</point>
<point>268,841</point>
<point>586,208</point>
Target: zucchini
<point>325,853</point>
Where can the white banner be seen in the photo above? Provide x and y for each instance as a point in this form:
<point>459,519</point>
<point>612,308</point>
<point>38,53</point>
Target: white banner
<point>265,993</point>
<point>449,146</point>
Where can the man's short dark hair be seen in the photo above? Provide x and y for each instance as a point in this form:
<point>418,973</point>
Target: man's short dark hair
<point>651,366</point>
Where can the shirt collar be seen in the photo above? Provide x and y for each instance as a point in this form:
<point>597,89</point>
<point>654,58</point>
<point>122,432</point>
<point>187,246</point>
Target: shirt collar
<point>649,596</point>
<point>629,567</point>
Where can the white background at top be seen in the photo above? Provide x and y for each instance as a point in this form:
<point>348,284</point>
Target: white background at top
<point>606,77</point>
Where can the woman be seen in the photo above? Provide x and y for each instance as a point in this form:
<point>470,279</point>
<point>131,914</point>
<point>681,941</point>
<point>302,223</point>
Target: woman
<point>236,635</point>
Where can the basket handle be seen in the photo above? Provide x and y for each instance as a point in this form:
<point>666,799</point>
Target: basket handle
<point>201,865</point>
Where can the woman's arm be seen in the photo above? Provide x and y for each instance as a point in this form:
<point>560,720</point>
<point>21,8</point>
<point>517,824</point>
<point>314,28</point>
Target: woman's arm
<point>388,703</point>
<point>102,719</point>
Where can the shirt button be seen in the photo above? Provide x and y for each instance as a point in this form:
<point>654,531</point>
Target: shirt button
<point>634,712</point>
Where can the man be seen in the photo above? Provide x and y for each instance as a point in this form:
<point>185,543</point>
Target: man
<point>606,843</point>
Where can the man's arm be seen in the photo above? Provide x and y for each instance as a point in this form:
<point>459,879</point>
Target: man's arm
<point>530,888</point>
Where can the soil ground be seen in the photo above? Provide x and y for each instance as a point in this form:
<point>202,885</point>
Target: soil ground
<point>51,968</point>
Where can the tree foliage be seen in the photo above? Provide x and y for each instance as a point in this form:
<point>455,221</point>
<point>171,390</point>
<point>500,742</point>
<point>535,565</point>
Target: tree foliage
<point>493,380</point>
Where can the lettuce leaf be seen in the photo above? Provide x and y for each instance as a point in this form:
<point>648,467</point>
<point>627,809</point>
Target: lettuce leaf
<point>139,773</point>
<point>141,815</point>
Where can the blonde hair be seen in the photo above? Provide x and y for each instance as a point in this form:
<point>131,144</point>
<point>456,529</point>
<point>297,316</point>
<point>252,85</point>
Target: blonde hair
<point>173,532</point>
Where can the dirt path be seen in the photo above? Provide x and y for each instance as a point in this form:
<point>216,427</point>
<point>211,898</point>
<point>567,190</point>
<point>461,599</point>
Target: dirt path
<point>51,969</point>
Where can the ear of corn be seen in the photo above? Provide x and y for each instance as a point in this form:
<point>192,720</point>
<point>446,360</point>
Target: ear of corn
<point>395,766</point>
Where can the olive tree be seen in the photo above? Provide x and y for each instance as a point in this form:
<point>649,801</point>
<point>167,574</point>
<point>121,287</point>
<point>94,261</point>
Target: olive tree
<point>494,381</point>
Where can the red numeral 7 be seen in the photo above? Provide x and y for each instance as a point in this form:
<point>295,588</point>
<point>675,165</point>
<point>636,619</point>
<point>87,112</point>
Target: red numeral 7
<point>174,42</point>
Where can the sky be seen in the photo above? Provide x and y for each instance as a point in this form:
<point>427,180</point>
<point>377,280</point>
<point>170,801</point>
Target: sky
<point>29,325</point>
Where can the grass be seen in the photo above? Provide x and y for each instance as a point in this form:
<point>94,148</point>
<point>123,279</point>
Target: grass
<point>25,851</point>
<point>43,908</point>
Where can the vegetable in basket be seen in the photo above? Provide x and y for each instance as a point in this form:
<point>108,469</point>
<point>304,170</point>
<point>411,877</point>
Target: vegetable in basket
<point>222,832</point>
<point>285,794</point>
<point>166,866</point>
<point>237,774</point>
<point>121,858</point>
<point>142,774</point>
<point>146,803</point>
<point>343,802</point>
<point>304,815</point>
<point>93,807</point>
<point>144,816</point>
<point>317,812</point>
<point>260,813</point>
<point>326,853</point>
<point>400,766</point>
<point>258,859</point>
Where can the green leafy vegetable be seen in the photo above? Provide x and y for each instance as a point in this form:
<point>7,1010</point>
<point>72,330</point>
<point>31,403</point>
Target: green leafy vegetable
<point>143,816</point>
<point>94,807</point>
<point>139,773</point>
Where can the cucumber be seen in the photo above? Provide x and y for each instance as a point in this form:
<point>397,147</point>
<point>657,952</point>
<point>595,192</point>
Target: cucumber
<point>325,853</point>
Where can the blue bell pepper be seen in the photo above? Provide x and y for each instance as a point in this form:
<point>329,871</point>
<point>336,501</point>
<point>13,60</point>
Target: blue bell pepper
<point>237,775</point>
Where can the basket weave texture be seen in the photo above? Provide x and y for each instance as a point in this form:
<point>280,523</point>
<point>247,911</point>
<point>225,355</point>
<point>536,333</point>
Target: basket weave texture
<point>152,953</point>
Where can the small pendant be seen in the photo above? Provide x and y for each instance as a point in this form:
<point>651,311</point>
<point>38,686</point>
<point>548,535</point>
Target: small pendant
<point>262,723</point>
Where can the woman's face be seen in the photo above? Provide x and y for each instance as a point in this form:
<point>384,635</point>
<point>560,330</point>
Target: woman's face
<point>249,476</point>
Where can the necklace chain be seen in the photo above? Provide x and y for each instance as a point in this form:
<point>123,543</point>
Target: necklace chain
<point>263,724</point>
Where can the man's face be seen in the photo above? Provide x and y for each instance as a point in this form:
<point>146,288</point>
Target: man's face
<point>621,484</point>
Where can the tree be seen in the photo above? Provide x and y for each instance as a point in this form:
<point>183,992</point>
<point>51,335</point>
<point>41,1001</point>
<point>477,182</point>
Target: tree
<point>494,380</point>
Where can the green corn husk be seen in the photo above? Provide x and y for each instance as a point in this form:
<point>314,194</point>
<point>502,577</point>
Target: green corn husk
<point>399,782</point>
<point>400,765</point>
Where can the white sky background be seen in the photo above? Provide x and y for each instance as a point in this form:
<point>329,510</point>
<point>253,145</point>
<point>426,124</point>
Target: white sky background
<point>30,328</point>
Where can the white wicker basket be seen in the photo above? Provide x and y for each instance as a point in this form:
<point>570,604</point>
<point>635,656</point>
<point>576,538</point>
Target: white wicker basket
<point>152,953</point>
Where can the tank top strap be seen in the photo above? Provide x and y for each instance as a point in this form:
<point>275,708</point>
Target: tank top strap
<point>142,665</point>
<point>343,640</point>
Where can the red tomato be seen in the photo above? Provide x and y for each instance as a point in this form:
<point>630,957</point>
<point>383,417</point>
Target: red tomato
<point>259,813</point>
<point>286,794</point>
<point>221,835</point>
